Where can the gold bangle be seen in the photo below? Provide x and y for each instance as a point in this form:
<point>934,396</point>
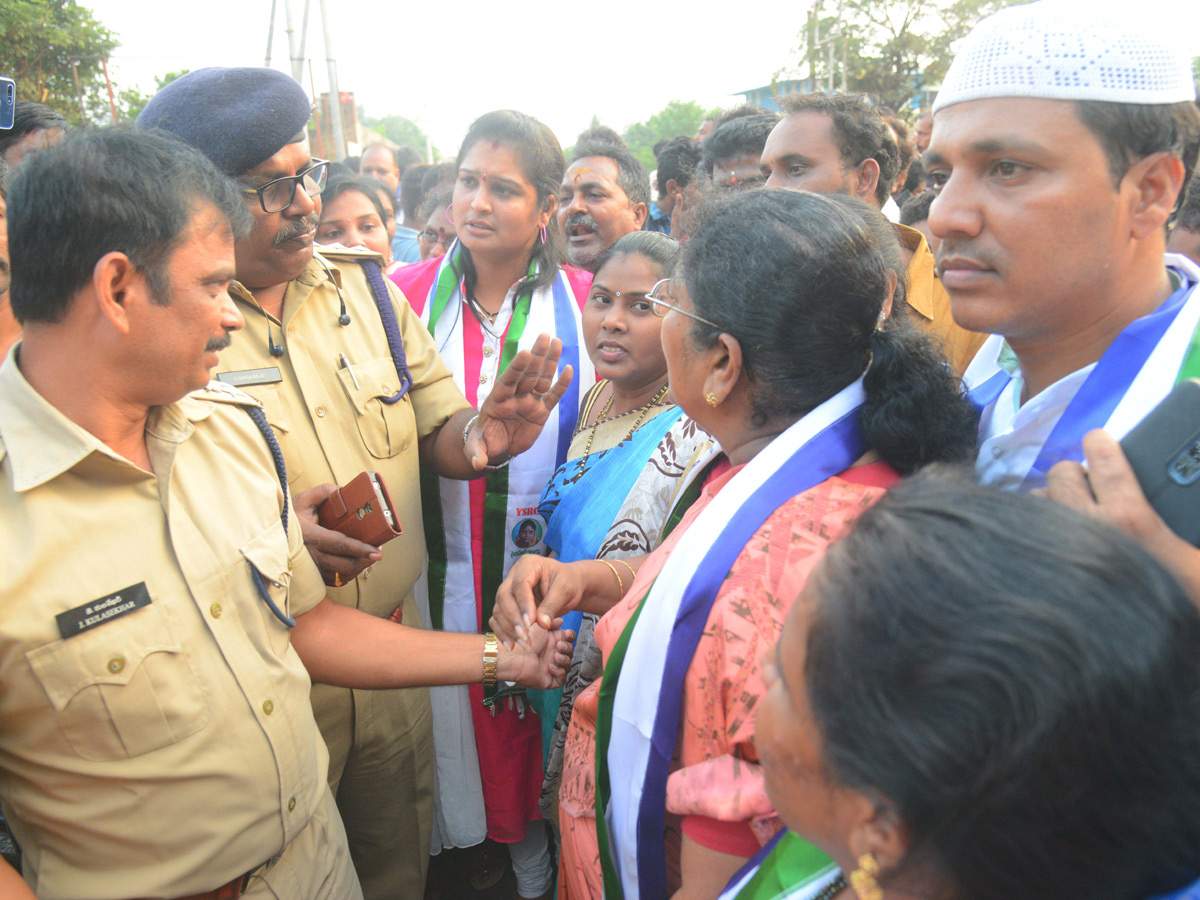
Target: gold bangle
<point>491,661</point>
<point>613,569</point>
<point>632,573</point>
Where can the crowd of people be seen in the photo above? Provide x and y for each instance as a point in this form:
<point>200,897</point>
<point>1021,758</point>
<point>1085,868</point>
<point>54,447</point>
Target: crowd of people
<point>761,526</point>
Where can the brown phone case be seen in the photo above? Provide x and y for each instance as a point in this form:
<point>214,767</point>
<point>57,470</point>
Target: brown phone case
<point>361,509</point>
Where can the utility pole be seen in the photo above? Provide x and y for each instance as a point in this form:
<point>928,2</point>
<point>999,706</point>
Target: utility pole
<point>297,69</point>
<point>294,54</point>
<point>270,34</point>
<point>845,40</point>
<point>829,40</point>
<point>335,97</point>
<point>812,47</point>
<point>297,41</point>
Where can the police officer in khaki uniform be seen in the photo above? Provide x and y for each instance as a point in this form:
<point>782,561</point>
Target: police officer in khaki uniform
<point>342,398</point>
<point>156,738</point>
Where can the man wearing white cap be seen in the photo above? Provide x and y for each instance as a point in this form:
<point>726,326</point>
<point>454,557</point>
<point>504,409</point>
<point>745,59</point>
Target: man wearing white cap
<point>1062,141</point>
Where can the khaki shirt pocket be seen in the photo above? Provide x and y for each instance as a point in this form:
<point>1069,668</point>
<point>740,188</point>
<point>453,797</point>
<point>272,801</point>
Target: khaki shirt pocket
<point>268,553</point>
<point>276,408</point>
<point>123,688</point>
<point>386,428</point>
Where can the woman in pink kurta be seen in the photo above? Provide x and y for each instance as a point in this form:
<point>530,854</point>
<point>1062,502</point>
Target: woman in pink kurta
<point>496,290</point>
<point>717,793</point>
<point>778,343</point>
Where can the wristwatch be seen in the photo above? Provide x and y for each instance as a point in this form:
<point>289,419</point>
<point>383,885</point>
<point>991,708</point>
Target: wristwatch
<point>491,660</point>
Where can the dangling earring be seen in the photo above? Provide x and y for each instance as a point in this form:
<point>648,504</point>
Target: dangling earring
<point>542,234</point>
<point>711,399</point>
<point>863,880</point>
<point>449,209</point>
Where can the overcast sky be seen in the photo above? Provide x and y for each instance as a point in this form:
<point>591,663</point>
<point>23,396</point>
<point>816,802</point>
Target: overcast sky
<point>443,64</point>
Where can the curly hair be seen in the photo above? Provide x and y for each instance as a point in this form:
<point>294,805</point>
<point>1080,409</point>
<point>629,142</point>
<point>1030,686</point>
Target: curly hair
<point>859,130</point>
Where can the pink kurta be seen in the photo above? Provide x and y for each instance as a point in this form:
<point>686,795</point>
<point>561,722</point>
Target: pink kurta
<point>508,741</point>
<point>715,792</point>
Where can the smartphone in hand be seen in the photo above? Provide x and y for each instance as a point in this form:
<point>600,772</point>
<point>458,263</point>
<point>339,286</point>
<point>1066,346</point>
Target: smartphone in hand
<point>1164,451</point>
<point>8,103</point>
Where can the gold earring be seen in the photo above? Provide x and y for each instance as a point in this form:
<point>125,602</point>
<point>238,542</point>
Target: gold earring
<point>863,880</point>
<point>711,399</point>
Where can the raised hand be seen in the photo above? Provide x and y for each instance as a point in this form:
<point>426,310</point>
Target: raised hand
<point>520,403</point>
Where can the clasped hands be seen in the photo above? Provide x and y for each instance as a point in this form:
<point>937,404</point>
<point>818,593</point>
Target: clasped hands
<point>537,591</point>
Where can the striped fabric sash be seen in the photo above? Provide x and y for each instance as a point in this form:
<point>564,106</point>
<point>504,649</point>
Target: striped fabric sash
<point>473,528</point>
<point>1135,373</point>
<point>787,868</point>
<point>636,727</point>
<point>790,868</point>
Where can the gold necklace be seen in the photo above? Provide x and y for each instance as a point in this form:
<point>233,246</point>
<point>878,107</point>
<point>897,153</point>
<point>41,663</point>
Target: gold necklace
<point>603,417</point>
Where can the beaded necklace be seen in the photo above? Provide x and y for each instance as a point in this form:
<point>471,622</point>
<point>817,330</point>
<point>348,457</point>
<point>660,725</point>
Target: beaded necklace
<point>644,411</point>
<point>831,890</point>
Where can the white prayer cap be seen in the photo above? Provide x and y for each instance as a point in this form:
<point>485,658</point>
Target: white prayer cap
<point>1065,51</point>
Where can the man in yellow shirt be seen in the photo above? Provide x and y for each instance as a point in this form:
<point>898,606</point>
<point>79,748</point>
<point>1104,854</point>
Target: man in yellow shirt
<point>156,738</point>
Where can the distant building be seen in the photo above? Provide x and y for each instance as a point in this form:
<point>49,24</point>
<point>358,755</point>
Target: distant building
<point>765,96</point>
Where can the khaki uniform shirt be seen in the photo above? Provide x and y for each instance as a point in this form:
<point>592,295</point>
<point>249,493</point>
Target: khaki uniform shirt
<point>329,419</point>
<point>931,304</point>
<point>170,749</point>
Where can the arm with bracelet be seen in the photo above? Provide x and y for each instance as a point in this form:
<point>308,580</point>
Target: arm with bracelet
<point>385,655</point>
<point>540,589</point>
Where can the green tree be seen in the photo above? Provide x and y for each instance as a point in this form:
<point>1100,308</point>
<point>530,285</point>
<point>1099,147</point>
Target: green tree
<point>399,129</point>
<point>131,101</point>
<point>53,49</point>
<point>676,118</point>
<point>898,50</point>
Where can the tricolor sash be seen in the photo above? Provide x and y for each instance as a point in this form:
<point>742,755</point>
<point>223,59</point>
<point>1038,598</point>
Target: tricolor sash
<point>1135,373</point>
<point>790,868</point>
<point>473,528</point>
<point>787,868</point>
<point>637,726</point>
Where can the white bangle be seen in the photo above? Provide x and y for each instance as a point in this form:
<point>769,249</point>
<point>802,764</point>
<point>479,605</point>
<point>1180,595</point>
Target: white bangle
<point>487,468</point>
<point>467,430</point>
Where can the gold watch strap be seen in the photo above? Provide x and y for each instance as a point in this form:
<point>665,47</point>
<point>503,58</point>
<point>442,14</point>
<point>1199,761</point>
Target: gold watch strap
<point>491,660</point>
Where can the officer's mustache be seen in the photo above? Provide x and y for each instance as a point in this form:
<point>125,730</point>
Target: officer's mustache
<point>215,344</point>
<point>297,228</point>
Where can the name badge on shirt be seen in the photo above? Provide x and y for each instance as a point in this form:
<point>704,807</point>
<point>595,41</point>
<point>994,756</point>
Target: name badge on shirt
<point>104,609</point>
<point>269,375</point>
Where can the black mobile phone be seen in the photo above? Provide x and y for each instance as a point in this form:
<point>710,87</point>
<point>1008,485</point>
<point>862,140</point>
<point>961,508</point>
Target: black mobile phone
<point>8,102</point>
<point>1164,451</point>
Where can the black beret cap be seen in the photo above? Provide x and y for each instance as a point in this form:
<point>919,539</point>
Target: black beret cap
<point>236,117</point>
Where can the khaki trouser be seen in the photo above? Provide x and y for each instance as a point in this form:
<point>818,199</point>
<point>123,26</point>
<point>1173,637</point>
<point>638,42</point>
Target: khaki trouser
<point>381,767</point>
